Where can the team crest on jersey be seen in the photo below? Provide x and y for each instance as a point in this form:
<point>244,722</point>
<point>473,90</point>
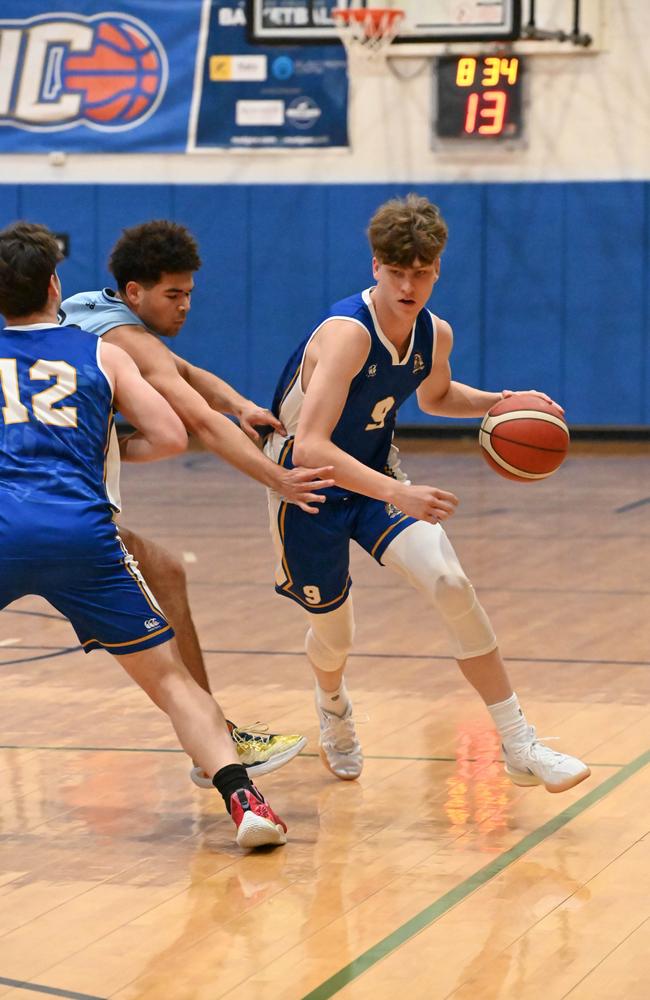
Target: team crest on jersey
<point>108,71</point>
<point>372,371</point>
<point>392,510</point>
<point>418,364</point>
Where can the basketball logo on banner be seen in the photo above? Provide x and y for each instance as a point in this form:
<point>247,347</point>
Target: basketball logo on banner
<point>108,72</point>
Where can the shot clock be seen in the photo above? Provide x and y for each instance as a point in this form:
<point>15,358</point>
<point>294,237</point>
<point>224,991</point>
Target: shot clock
<point>479,97</point>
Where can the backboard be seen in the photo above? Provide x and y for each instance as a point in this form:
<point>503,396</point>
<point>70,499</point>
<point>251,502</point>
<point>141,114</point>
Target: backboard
<point>299,22</point>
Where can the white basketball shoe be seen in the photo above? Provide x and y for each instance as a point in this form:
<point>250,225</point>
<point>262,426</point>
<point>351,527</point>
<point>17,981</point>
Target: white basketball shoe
<point>533,763</point>
<point>340,749</point>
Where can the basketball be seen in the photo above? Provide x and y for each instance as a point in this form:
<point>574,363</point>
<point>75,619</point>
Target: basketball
<point>119,78</point>
<point>524,438</point>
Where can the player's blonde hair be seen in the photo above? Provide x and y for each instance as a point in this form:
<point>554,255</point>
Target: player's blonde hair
<point>405,229</point>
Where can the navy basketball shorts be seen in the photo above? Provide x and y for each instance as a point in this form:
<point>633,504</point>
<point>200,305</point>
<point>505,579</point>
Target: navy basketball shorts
<point>314,549</point>
<point>106,599</point>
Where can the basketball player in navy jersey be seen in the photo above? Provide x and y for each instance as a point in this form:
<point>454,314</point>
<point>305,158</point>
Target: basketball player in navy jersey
<point>58,539</point>
<point>338,398</point>
<point>153,265</point>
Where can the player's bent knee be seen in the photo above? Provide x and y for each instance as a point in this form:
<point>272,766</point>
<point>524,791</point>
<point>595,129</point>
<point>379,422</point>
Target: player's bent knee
<point>454,594</point>
<point>472,632</point>
<point>330,637</point>
<point>426,557</point>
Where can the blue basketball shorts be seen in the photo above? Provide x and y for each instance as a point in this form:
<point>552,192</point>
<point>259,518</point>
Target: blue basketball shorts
<point>314,549</point>
<point>105,598</point>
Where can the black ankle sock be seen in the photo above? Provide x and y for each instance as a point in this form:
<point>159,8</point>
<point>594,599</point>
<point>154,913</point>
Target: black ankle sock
<point>228,779</point>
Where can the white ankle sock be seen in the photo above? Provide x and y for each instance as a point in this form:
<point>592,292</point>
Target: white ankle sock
<point>510,721</point>
<point>335,702</point>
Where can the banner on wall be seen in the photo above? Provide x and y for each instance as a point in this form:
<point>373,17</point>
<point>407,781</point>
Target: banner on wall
<point>266,98</point>
<point>156,76</point>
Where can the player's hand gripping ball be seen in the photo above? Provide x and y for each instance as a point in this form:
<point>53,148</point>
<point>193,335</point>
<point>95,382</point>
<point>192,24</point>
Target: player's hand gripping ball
<point>524,437</point>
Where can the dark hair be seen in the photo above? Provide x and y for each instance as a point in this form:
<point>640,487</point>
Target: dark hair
<point>143,253</point>
<point>29,254</point>
<point>404,229</point>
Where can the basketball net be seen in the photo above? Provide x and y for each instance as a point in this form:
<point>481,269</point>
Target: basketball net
<point>366,32</point>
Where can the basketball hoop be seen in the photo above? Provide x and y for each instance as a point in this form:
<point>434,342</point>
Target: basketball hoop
<point>367,31</point>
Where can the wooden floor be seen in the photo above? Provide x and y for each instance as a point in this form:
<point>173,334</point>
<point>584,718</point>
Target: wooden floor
<point>432,876</point>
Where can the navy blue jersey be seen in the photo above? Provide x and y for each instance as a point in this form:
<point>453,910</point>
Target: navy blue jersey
<point>56,425</point>
<point>365,428</point>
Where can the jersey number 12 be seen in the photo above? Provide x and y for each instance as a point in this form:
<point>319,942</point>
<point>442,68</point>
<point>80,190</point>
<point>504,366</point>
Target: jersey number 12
<point>15,412</point>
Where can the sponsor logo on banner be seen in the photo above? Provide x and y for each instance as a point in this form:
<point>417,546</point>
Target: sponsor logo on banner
<point>259,113</point>
<point>303,112</point>
<point>282,68</point>
<point>225,68</point>
<point>107,71</point>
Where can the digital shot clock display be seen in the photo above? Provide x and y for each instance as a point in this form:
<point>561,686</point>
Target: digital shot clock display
<point>479,97</point>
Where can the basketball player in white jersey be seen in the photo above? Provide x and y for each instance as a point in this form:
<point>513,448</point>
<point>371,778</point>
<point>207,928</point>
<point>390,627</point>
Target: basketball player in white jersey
<point>153,265</point>
<point>337,399</point>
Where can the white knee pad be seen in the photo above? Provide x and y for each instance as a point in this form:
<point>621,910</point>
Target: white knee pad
<point>424,555</point>
<point>330,637</point>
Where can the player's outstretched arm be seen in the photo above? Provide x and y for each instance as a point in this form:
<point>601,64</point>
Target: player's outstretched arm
<point>160,433</point>
<point>215,431</point>
<point>442,397</point>
<point>341,355</point>
<point>222,397</point>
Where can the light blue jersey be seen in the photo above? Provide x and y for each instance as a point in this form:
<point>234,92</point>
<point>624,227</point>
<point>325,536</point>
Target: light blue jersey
<point>97,312</point>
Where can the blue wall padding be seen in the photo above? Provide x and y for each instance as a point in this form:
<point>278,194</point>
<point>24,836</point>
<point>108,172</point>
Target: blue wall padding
<point>607,276</point>
<point>546,285</point>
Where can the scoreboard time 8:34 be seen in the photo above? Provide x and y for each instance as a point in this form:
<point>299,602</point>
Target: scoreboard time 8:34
<point>479,97</point>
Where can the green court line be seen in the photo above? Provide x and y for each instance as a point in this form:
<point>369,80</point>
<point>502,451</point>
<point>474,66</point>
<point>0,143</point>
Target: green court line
<point>431,913</point>
<point>21,984</point>
<point>368,756</point>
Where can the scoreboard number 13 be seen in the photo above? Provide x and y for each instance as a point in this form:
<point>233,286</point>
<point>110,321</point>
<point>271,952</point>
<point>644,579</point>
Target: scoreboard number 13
<point>479,97</point>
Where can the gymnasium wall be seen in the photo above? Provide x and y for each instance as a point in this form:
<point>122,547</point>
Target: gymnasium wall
<point>546,276</point>
<point>546,285</point>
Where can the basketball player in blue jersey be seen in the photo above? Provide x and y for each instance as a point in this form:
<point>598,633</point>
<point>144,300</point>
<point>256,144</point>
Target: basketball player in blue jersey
<point>153,265</point>
<point>58,389</point>
<point>338,398</point>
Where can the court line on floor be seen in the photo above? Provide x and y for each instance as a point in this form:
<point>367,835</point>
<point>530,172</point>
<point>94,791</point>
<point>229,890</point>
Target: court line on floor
<point>19,984</point>
<point>367,756</point>
<point>437,909</point>
<point>42,656</point>
<point>431,656</point>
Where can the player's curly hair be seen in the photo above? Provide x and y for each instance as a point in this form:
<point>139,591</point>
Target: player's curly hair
<point>144,253</point>
<point>29,254</point>
<point>404,229</point>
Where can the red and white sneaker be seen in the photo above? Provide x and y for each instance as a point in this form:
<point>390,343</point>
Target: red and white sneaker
<point>257,824</point>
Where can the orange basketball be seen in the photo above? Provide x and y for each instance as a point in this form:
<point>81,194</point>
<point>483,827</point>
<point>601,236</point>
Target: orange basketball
<point>120,78</point>
<point>524,438</point>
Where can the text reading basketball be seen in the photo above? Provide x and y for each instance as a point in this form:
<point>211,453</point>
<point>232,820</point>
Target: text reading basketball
<point>107,72</point>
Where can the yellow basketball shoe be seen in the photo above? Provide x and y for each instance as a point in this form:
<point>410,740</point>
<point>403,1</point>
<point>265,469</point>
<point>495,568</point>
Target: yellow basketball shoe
<point>259,751</point>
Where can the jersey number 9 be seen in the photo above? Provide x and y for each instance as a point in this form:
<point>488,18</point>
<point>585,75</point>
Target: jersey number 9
<point>379,413</point>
